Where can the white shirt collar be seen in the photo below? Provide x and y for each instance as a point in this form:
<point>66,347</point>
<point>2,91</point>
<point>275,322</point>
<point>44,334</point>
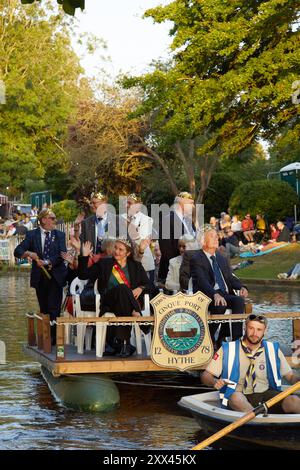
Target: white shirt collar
<point>43,231</point>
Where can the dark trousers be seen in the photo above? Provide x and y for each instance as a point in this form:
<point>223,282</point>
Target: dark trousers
<point>237,305</point>
<point>49,295</point>
<point>120,301</point>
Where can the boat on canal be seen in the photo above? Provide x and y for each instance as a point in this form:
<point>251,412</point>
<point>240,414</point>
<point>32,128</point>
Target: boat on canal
<point>84,378</point>
<point>277,431</point>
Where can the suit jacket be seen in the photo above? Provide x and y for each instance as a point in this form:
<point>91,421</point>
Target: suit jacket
<point>168,241</point>
<point>203,275</point>
<point>88,229</point>
<point>33,242</point>
<point>102,271</point>
<point>185,269</point>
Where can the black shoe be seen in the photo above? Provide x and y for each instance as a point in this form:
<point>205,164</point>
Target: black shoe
<point>127,350</point>
<point>109,350</point>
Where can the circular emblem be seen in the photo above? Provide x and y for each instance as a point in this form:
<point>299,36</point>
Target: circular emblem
<point>261,366</point>
<point>181,331</point>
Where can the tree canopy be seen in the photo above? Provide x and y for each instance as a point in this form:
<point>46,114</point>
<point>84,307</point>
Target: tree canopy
<point>103,144</point>
<point>272,198</point>
<point>229,81</point>
<point>41,74</point>
<point>69,6</point>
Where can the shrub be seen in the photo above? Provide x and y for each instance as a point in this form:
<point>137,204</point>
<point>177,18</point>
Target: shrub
<point>217,196</point>
<point>66,210</point>
<point>271,198</point>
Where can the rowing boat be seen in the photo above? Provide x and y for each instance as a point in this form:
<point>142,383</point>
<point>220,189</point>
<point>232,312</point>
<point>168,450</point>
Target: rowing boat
<point>278,431</point>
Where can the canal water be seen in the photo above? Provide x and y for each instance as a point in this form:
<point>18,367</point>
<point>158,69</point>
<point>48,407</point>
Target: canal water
<point>148,416</point>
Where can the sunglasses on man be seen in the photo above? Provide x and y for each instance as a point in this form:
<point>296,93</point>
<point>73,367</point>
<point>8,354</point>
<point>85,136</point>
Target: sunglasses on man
<point>259,318</point>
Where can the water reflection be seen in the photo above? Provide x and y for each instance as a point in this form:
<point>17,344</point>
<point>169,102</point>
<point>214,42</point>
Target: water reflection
<point>148,417</point>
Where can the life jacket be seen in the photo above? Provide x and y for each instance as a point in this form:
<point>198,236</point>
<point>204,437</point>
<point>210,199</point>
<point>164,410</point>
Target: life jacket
<point>231,367</point>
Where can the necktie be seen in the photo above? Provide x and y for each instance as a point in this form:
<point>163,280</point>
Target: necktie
<point>250,374</point>
<point>100,228</point>
<point>46,254</point>
<point>218,275</point>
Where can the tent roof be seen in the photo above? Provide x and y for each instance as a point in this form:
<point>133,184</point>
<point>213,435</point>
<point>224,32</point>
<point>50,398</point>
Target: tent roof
<point>290,167</point>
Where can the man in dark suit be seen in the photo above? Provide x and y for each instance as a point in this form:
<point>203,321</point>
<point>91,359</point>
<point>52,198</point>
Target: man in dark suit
<point>48,274</point>
<point>100,224</point>
<point>177,223</point>
<point>212,275</point>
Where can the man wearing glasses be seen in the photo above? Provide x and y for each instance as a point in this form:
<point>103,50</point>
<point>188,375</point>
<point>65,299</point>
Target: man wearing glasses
<point>43,246</point>
<point>248,371</point>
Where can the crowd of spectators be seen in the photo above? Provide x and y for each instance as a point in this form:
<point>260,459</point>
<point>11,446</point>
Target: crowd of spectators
<point>252,233</point>
<point>19,223</point>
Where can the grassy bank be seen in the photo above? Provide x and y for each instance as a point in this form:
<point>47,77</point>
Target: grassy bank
<point>267,267</point>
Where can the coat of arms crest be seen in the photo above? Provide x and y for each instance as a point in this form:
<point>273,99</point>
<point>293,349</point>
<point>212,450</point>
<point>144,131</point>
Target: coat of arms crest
<point>181,338</point>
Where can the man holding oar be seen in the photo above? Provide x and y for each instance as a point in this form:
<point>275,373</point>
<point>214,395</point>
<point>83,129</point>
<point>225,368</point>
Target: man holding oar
<point>248,371</point>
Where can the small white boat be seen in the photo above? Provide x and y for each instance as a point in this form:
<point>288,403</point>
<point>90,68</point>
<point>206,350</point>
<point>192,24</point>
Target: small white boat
<point>281,431</point>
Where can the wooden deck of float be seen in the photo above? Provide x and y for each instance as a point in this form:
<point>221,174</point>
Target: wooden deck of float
<point>88,363</point>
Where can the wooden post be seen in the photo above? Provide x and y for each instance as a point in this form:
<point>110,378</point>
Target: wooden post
<point>47,348</point>
<point>248,308</point>
<point>39,331</point>
<point>296,331</point>
<point>30,332</point>
<point>60,342</point>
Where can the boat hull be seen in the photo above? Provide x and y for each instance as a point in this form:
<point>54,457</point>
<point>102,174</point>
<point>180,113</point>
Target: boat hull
<point>272,431</point>
<point>246,437</point>
<point>84,392</point>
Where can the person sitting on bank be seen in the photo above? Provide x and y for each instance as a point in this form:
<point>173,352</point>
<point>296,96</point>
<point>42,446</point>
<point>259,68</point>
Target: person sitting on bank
<point>261,228</point>
<point>293,273</point>
<point>248,228</point>
<point>254,368</point>
<point>212,275</point>
<point>284,233</point>
<point>231,243</point>
<point>122,282</point>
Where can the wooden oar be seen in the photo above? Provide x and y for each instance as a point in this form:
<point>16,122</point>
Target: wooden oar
<point>247,417</point>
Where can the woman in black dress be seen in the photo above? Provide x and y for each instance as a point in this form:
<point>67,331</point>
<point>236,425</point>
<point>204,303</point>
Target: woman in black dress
<point>122,282</point>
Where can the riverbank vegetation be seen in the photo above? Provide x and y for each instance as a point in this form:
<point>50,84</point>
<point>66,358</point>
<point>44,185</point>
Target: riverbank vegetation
<point>220,113</point>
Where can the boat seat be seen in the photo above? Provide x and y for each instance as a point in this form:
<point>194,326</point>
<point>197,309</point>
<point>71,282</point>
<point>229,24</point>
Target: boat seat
<point>138,334</point>
<point>84,332</point>
<point>101,330</point>
<point>65,314</point>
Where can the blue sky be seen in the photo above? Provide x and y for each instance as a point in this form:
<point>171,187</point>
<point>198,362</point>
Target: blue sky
<point>132,42</point>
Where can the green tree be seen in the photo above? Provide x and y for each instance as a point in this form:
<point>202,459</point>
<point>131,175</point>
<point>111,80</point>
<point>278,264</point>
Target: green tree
<point>103,144</point>
<point>69,6</point>
<point>41,74</point>
<point>272,198</point>
<point>229,82</point>
<point>66,210</point>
